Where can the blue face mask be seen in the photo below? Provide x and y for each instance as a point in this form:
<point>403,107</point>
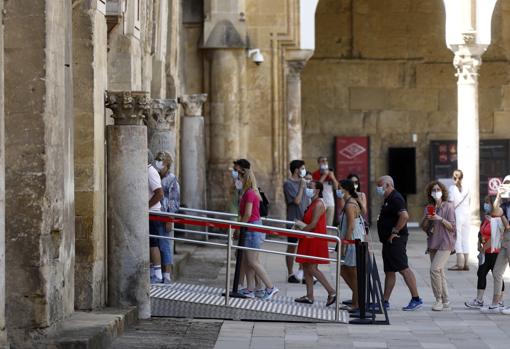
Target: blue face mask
<point>380,191</point>
<point>309,192</point>
<point>339,194</point>
<point>487,208</point>
<point>235,174</point>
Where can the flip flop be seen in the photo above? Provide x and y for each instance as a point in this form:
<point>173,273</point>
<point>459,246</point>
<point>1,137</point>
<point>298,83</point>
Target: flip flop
<point>456,268</point>
<point>331,300</point>
<point>304,300</point>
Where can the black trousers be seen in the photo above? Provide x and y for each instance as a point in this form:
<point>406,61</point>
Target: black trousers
<point>483,270</point>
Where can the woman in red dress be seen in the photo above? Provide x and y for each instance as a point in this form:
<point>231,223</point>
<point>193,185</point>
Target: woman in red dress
<point>315,220</point>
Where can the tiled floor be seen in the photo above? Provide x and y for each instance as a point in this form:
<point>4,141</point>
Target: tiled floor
<point>457,328</point>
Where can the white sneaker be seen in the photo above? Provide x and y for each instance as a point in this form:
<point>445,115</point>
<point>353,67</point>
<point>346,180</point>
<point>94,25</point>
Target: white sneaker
<point>505,311</point>
<point>437,306</point>
<point>260,293</point>
<point>167,280</point>
<point>474,304</point>
<point>491,309</point>
<point>270,292</point>
<point>446,305</point>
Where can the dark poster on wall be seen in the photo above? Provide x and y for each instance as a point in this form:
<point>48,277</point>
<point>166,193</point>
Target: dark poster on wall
<point>494,160</point>
<point>352,156</point>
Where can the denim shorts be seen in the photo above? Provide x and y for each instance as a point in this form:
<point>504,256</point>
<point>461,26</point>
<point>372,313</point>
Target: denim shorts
<point>254,239</point>
<point>350,256</point>
<point>165,245</point>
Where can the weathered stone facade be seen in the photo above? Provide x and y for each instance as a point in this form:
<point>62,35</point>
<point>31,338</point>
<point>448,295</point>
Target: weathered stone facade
<point>383,70</point>
<point>39,183</point>
<point>75,206</point>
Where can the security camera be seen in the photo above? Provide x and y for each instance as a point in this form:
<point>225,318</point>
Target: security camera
<point>256,56</point>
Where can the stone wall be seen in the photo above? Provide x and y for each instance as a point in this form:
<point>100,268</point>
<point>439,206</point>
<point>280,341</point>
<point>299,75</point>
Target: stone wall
<point>382,69</point>
<point>39,178</point>
<point>3,332</point>
<point>90,77</point>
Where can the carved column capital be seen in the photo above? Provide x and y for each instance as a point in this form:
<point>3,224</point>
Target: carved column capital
<point>294,69</point>
<point>162,114</point>
<point>193,104</point>
<point>129,107</point>
<point>467,66</point>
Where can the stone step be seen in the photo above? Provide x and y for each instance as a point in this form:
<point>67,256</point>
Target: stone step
<point>91,330</point>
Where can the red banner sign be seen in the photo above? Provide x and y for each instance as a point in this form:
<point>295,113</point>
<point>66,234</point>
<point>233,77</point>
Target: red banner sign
<point>352,156</point>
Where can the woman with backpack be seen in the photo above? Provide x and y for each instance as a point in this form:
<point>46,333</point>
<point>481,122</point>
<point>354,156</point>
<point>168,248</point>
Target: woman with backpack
<point>249,212</point>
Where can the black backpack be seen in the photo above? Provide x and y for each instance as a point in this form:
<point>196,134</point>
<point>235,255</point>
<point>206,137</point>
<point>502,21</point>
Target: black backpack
<point>264,204</point>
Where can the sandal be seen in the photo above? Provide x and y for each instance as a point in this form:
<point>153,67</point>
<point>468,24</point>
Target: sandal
<point>331,299</point>
<point>456,268</point>
<point>304,300</point>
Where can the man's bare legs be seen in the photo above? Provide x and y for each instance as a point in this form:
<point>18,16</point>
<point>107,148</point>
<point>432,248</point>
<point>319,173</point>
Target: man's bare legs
<point>390,280</point>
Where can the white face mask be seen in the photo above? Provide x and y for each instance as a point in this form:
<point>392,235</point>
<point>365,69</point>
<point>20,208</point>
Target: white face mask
<point>324,167</point>
<point>302,173</point>
<point>356,186</point>
<point>158,164</point>
<point>239,184</point>
<point>235,174</point>
<point>309,192</point>
<point>437,195</point>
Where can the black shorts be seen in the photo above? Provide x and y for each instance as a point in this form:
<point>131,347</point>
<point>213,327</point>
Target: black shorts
<point>292,239</point>
<point>394,255</point>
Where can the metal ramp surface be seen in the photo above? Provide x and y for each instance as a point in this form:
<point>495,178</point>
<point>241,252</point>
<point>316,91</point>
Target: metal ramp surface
<point>195,301</point>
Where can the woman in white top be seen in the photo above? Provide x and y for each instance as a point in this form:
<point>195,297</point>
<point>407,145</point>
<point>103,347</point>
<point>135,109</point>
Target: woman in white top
<point>460,198</point>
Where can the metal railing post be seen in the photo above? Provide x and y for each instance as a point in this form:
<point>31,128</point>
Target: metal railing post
<point>229,255</point>
<point>337,303</point>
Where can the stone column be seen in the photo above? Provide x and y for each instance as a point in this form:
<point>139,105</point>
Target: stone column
<point>39,181</point>
<point>3,331</point>
<point>90,78</point>
<point>467,62</point>
<point>294,128</point>
<point>161,127</point>
<point>193,152</point>
<point>128,218</point>
<point>228,66</point>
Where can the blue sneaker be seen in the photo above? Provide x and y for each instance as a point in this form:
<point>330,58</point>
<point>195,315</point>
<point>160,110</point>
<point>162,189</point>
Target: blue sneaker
<point>413,305</point>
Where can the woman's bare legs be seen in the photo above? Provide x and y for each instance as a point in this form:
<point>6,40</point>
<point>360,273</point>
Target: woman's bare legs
<point>254,264</point>
<point>350,276</point>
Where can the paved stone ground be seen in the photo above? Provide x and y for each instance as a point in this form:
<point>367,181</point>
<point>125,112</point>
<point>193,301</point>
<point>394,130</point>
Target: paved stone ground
<point>457,328</point>
<point>170,334</point>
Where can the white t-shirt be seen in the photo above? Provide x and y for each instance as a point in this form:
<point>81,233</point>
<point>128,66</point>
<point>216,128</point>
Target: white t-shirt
<point>457,198</point>
<point>154,183</point>
<point>327,194</point>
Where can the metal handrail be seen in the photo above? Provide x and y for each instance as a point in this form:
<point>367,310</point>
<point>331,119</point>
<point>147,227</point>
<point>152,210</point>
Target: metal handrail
<point>233,215</point>
<point>233,225</point>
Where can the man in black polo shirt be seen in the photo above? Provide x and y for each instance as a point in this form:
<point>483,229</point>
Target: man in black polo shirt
<point>392,230</point>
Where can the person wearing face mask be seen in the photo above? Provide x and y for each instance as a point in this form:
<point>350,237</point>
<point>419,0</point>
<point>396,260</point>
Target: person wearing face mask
<point>314,220</point>
<point>439,224</point>
<point>296,203</point>
<point>362,198</point>
<point>459,196</point>
<point>393,234</point>
<point>169,203</point>
<point>240,166</point>
<point>155,196</point>
<point>351,228</point>
<point>249,213</point>
<point>326,176</point>
<point>488,253</point>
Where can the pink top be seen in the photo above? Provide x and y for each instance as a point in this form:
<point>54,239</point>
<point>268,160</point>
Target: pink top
<point>250,196</point>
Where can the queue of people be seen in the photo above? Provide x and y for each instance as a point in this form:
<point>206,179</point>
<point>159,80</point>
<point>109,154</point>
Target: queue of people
<point>308,205</point>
